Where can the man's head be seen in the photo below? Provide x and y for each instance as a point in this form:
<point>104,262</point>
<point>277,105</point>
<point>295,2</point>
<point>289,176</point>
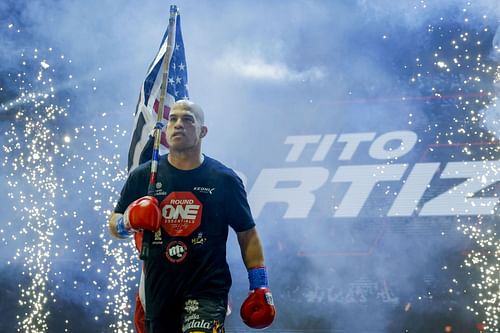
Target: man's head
<point>185,126</point>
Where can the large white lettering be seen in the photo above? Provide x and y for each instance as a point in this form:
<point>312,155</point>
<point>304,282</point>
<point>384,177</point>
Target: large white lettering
<point>416,183</point>
<point>300,197</point>
<point>187,212</point>
<point>363,178</point>
<point>324,147</point>
<point>298,143</point>
<point>459,200</point>
<point>298,187</point>
<point>353,141</point>
<point>378,150</point>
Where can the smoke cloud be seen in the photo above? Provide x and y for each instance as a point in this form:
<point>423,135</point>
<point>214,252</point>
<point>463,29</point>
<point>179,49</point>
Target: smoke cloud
<point>263,72</point>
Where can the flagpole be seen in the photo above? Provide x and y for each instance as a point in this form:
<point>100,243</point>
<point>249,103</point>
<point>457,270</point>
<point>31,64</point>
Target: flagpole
<point>147,236</point>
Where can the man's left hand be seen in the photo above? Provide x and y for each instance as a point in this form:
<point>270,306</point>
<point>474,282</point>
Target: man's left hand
<point>258,310</point>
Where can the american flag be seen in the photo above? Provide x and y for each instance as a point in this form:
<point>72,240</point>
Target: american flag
<point>149,97</point>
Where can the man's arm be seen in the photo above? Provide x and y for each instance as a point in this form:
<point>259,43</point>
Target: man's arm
<point>257,311</point>
<point>251,248</point>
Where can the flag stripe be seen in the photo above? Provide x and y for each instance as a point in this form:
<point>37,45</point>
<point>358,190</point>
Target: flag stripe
<point>136,139</point>
<point>147,105</point>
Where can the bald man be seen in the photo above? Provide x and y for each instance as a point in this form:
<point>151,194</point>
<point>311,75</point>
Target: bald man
<point>197,199</point>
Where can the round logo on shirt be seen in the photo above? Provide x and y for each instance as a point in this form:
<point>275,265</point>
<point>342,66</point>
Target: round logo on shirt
<point>176,251</point>
<point>181,213</point>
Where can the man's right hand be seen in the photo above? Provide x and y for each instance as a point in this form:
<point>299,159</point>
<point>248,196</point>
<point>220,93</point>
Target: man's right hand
<point>143,214</point>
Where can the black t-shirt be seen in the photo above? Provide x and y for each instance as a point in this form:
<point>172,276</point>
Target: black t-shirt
<point>189,257</point>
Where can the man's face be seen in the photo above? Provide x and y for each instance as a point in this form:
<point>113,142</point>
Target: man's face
<point>184,130</point>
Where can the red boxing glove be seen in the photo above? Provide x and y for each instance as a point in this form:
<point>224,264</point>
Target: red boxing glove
<point>258,310</point>
<point>143,214</point>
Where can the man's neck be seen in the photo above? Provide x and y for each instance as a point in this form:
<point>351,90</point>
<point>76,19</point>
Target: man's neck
<point>185,160</point>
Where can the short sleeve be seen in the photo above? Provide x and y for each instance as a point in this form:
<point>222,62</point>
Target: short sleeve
<point>136,186</point>
<point>236,202</point>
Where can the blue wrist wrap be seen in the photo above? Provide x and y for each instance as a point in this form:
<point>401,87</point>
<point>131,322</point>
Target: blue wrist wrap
<point>258,278</point>
<point>121,230</point>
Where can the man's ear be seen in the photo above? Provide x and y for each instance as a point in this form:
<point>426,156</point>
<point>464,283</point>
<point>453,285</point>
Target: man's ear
<point>204,131</point>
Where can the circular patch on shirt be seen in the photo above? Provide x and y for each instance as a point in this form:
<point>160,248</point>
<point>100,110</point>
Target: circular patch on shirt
<point>181,212</point>
<point>176,251</point>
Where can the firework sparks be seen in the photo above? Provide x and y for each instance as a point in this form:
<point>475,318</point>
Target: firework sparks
<point>459,67</point>
<point>62,179</point>
<point>49,174</point>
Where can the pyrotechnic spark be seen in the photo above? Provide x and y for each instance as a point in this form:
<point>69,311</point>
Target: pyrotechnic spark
<point>53,176</point>
<point>484,260</point>
<point>31,155</point>
<point>459,67</point>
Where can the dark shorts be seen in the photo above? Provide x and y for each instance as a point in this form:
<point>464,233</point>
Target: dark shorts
<point>195,316</point>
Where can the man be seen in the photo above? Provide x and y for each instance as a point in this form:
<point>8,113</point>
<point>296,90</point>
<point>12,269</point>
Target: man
<point>187,278</point>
